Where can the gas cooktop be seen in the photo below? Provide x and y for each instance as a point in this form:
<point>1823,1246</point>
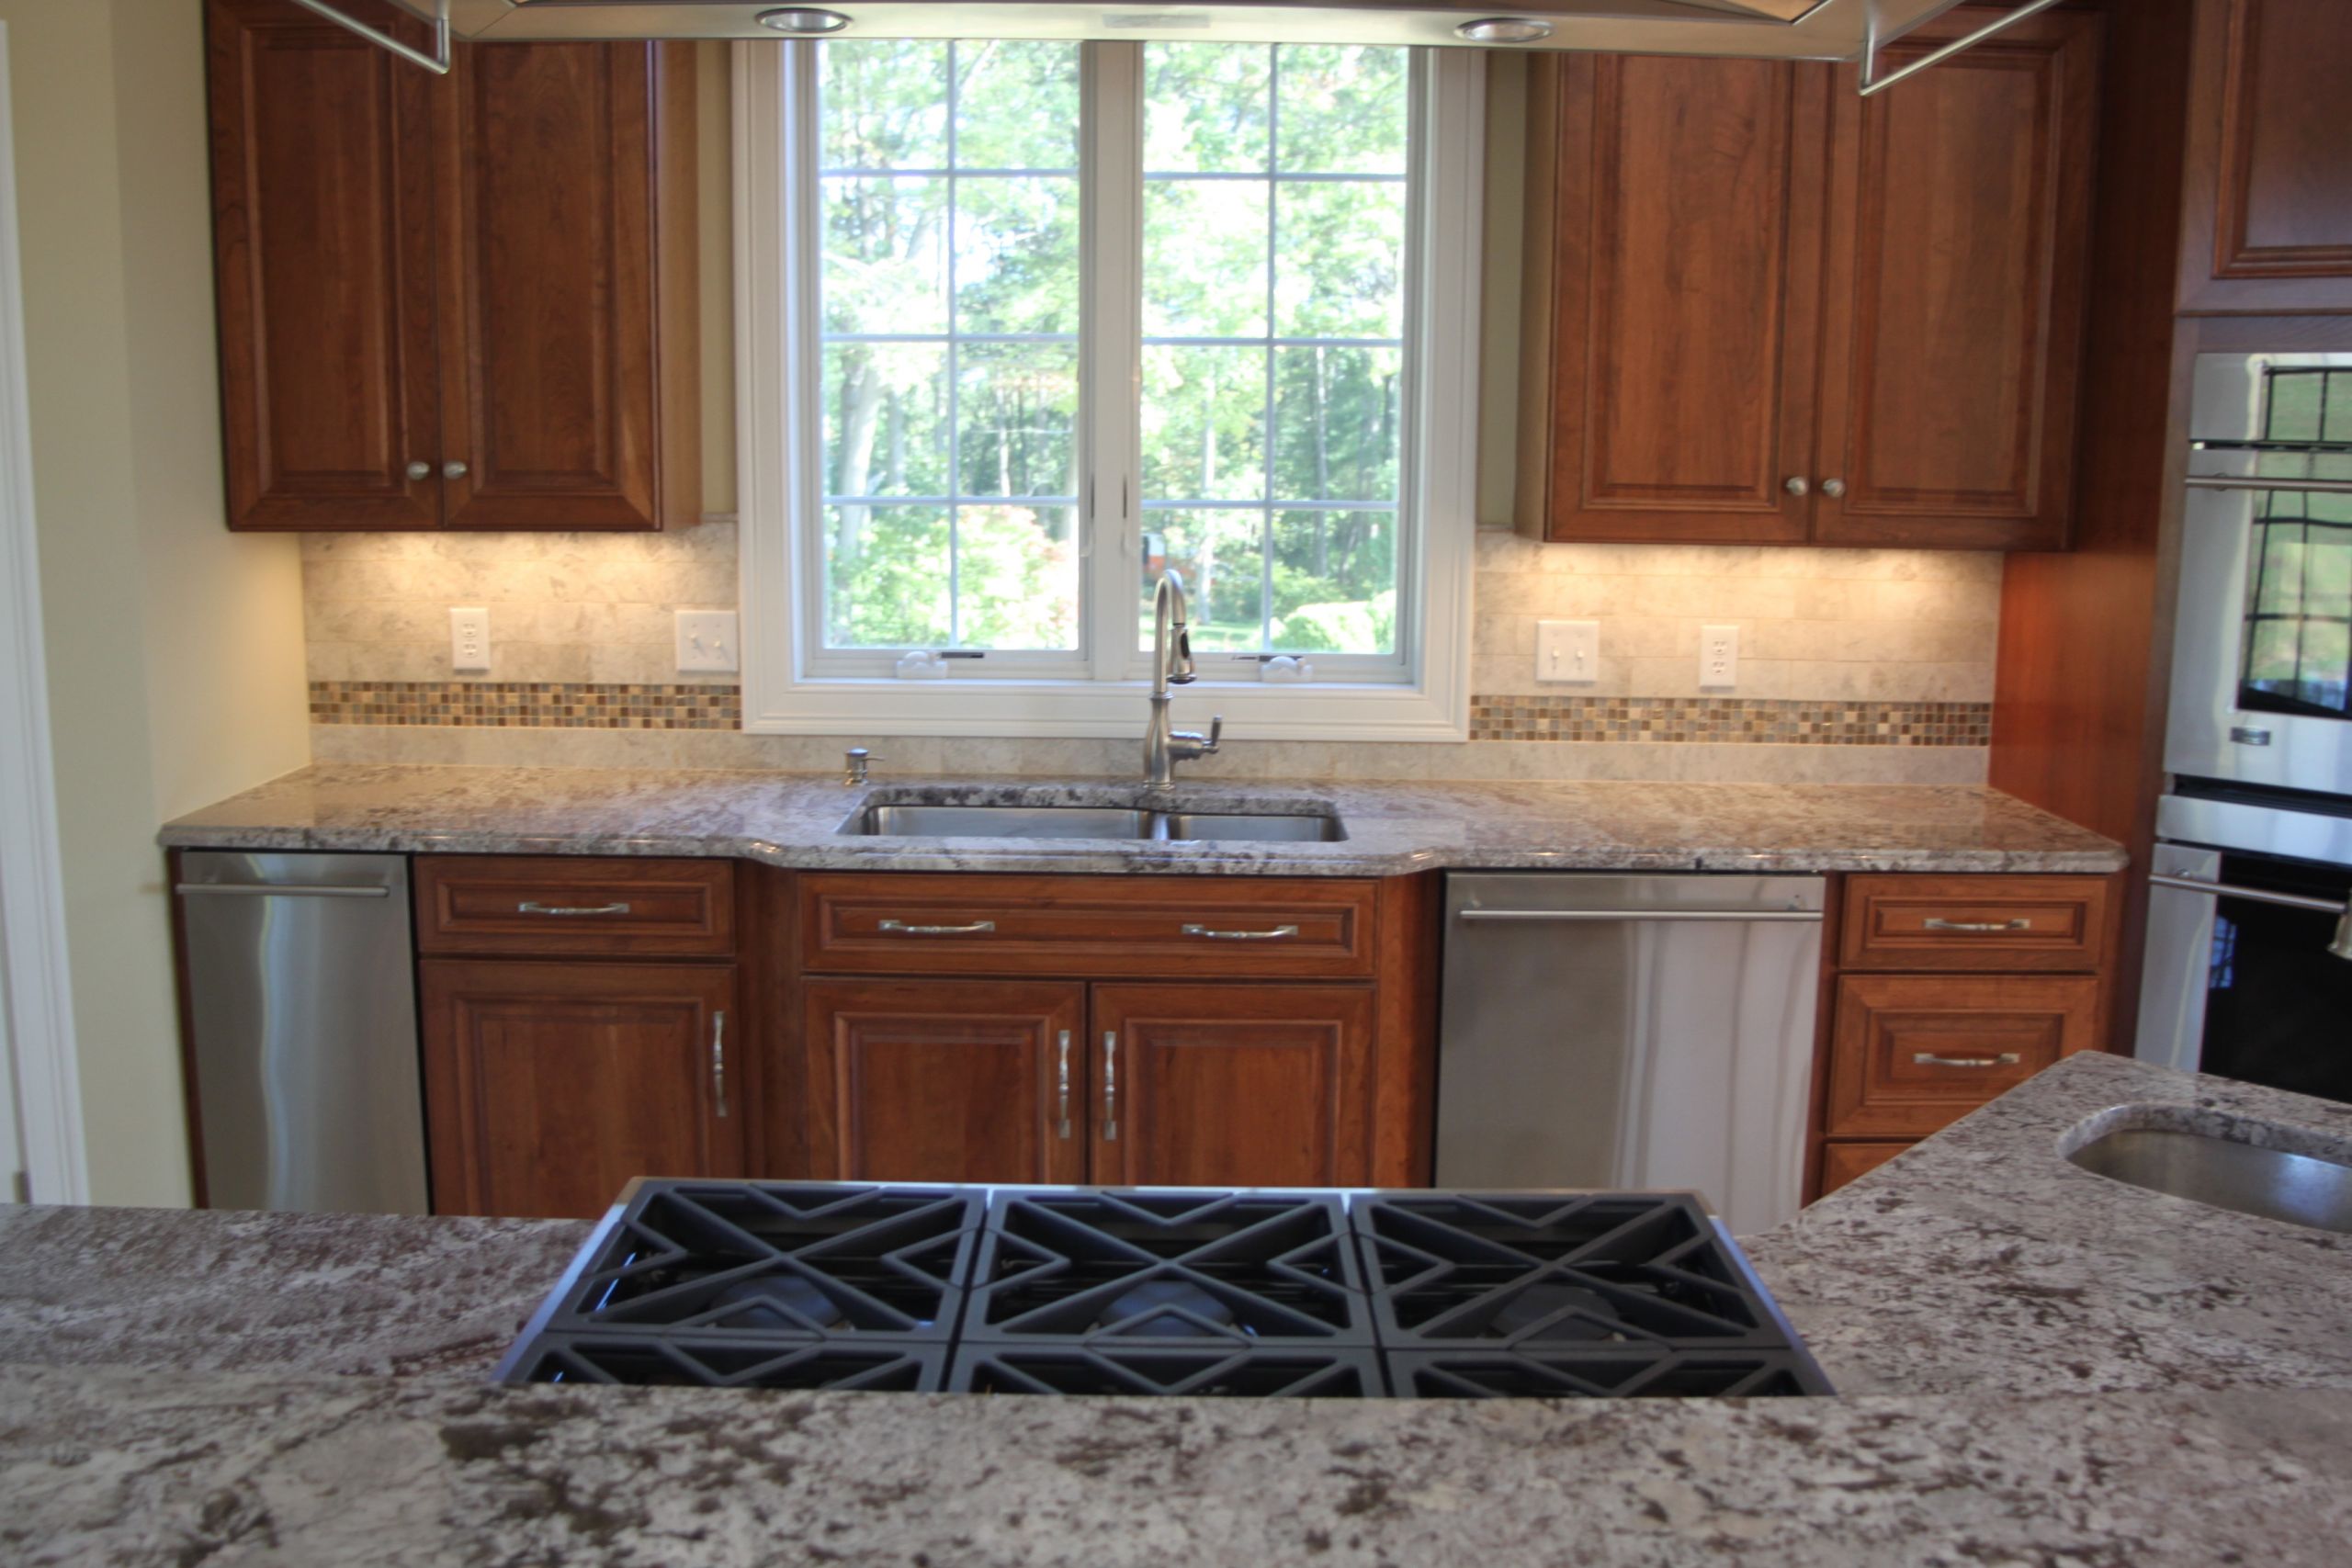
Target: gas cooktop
<point>1170,1290</point>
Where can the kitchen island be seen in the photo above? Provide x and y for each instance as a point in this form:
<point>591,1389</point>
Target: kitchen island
<point>2037,1365</point>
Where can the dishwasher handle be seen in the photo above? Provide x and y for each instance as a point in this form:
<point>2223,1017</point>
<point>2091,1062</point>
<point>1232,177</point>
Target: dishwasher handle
<point>1811,917</point>
<point>283,889</point>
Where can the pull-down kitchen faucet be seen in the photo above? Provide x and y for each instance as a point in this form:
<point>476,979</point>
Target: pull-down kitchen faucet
<point>1172,665</point>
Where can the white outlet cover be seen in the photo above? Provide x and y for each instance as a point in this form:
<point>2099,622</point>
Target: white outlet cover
<point>706,642</point>
<point>1567,652</point>
<point>1718,657</point>
<point>470,641</point>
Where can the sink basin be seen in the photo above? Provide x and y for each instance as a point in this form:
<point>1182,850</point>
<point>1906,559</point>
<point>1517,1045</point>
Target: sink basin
<point>1135,825</point>
<point>2216,1160</point>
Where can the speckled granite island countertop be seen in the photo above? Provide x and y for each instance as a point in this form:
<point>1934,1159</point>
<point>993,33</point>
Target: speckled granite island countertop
<point>790,819</point>
<point>2040,1367</point>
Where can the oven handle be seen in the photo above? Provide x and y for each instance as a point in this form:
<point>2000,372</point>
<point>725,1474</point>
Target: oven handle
<point>2232,481</point>
<point>2340,945</point>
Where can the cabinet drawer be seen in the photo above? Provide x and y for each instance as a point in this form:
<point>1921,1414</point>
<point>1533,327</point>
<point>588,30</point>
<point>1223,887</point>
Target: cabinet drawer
<point>1915,1053</point>
<point>1974,922</point>
<point>1841,1162</point>
<point>1085,927</point>
<point>558,906</point>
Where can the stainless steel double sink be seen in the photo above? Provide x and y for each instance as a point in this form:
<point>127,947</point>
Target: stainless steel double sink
<point>1134,824</point>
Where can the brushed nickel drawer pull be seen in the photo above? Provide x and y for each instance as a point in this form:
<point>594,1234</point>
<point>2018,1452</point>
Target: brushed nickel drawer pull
<point>1930,1059</point>
<point>532,907</point>
<point>1937,923</point>
<point>900,928</point>
<point>1064,1087</point>
<point>718,1060</point>
<point>1110,1086</point>
<point>1277,934</point>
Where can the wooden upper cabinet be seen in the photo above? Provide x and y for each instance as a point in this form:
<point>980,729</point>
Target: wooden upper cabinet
<point>2268,212</point>
<point>322,228</point>
<point>1960,227</point>
<point>568,333</point>
<point>549,1086</point>
<point>452,302</point>
<point>1762,309</point>
<point>1667,390</point>
<point>1232,1086</point>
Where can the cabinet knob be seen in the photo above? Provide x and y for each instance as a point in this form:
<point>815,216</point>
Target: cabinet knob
<point>1795,485</point>
<point>419,469</point>
<point>453,470</point>
<point>1833,489</point>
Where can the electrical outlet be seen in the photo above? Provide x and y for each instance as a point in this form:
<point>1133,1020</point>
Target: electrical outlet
<point>706,641</point>
<point>1567,651</point>
<point>1718,657</point>
<point>470,641</point>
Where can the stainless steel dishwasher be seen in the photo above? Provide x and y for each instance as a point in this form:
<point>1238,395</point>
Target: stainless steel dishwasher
<point>1630,1031</point>
<point>303,1008</point>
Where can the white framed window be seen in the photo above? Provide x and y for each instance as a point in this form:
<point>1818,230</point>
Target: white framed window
<point>1021,322</point>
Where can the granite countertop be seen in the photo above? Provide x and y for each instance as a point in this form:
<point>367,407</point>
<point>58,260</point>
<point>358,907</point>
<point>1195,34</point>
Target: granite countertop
<point>2037,1366</point>
<point>790,819</point>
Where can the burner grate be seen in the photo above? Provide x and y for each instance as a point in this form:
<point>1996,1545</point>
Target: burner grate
<point>1555,1271</point>
<point>1217,1372</point>
<point>679,1360</point>
<point>1507,1374</point>
<point>1095,1267</point>
<point>777,1261</point>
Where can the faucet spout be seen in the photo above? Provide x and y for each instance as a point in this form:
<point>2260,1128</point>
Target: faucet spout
<point>1172,665</point>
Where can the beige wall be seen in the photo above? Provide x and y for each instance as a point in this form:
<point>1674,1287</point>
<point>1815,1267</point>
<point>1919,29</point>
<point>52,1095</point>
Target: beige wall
<point>174,648</point>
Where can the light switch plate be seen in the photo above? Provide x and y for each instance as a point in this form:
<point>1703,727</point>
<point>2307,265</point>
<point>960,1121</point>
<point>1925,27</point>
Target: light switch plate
<point>1718,657</point>
<point>1567,652</point>
<point>706,642</point>
<point>470,641</point>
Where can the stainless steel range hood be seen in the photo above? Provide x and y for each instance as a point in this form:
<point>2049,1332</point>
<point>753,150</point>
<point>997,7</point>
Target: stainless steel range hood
<point>1802,30</point>
<point>1771,30</point>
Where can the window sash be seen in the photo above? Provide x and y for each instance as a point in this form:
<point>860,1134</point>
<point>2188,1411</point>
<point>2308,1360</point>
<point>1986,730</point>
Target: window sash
<point>1110,515</point>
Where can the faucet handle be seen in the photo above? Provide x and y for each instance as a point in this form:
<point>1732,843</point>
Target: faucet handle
<point>1216,727</point>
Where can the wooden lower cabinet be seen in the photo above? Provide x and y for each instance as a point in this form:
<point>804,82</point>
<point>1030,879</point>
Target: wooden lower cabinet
<point>946,1080</point>
<point>549,1086</point>
<point>1915,1053</point>
<point>1841,1162</point>
<point>1233,1086</point>
<point>1174,1085</point>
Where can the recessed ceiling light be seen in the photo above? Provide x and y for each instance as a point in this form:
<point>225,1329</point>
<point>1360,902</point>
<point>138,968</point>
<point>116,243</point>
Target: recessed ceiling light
<point>797,19</point>
<point>1504,29</point>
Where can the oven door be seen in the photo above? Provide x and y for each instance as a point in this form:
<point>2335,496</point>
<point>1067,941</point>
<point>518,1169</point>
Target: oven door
<point>2262,667</point>
<point>2249,970</point>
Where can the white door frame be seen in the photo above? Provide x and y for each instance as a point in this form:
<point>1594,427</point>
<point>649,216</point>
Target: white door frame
<point>35,986</point>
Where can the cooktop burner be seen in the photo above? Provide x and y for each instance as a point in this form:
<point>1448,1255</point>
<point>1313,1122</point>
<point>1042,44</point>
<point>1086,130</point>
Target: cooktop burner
<point>1254,1294</point>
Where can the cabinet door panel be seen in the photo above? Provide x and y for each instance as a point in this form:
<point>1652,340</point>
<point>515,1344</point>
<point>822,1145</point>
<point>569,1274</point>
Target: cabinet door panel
<point>1686,243</point>
<point>1250,1086</point>
<point>323,269</point>
<point>556,160</point>
<point>946,1080</point>
<point>549,1086</point>
<point>2269,182</point>
<point>1958,240</point>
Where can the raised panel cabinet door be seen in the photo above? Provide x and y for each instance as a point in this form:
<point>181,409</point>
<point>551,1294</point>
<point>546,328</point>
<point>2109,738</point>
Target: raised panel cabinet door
<point>1676,204</point>
<point>2268,224</point>
<point>568,332</point>
<point>946,1080</point>
<point>322,238</point>
<point>1952,341</point>
<point>1911,1054</point>
<point>1233,1086</point>
<point>548,1086</point>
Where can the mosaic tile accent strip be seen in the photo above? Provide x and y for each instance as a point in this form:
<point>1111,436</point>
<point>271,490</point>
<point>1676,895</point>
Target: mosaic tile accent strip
<point>1751,721</point>
<point>522,705</point>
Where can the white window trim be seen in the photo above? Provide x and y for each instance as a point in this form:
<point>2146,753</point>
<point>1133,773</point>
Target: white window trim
<point>781,697</point>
